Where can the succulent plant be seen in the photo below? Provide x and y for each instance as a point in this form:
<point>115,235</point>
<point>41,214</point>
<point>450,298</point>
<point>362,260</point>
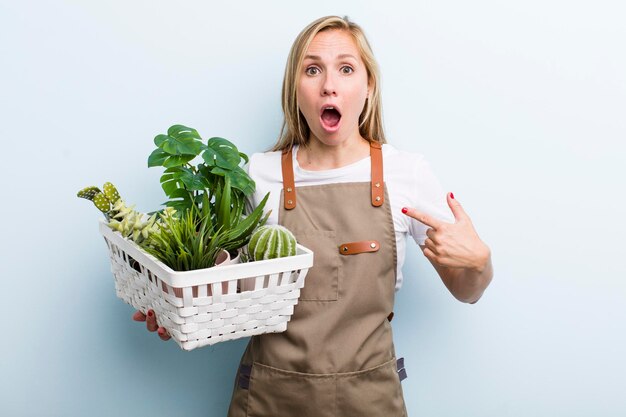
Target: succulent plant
<point>130,223</point>
<point>271,241</point>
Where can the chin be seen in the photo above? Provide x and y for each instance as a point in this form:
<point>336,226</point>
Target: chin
<point>329,139</point>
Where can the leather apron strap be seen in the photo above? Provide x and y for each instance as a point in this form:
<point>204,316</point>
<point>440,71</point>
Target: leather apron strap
<point>376,157</point>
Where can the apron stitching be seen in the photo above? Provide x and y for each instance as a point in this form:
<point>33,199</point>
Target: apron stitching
<point>329,375</point>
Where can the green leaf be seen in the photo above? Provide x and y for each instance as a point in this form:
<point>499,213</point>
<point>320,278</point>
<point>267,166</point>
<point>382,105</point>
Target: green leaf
<point>206,211</point>
<point>224,207</point>
<point>180,140</point>
<point>192,181</point>
<point>242,181</point>
<point>177,160</point>
<point>170,183</point>
<point>159,140</point>
<point>239,179</point>
<point>222,153</point>
<point>157,157</point>
<point>244,229</point>
<point>180,204</point>
<point>179,131</point>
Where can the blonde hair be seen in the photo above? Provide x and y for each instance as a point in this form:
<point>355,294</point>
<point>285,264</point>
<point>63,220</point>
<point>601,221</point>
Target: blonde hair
<point>295,129</point>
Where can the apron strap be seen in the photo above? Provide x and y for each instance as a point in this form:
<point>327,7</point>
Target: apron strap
<point>289,186</point>
<point>378,190</point>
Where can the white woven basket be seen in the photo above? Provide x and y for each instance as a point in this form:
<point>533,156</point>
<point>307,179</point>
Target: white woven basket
<point>211,305</point>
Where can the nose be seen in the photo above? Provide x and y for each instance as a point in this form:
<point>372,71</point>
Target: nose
<point>328,87</point>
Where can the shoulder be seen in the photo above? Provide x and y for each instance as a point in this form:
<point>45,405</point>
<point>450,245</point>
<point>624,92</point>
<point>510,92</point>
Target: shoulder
<point>265,166</point>
<point>401,162</point>
<point>395,154</point>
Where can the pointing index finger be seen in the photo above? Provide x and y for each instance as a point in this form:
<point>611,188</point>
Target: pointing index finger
<point>422,217</point>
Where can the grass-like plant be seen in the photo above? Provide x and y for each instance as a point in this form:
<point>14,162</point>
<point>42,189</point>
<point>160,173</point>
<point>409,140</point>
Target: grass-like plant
<point>185,243</point>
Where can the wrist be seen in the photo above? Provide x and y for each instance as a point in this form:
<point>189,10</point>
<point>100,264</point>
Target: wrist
<point>482,260</point>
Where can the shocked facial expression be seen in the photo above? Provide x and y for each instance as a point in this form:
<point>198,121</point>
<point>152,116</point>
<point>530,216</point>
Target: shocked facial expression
<point>333,86</point>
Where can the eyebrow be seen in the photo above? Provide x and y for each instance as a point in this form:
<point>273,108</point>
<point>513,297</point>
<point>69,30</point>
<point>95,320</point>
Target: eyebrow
<point>317,57</point>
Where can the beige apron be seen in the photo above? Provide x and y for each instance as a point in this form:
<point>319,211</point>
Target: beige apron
<point>336,357</point>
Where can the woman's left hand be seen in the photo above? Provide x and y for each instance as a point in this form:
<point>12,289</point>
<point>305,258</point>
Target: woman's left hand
<point>453,245</point>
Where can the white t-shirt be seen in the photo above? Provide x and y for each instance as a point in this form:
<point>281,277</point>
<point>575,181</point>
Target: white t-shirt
<point>409,179</point>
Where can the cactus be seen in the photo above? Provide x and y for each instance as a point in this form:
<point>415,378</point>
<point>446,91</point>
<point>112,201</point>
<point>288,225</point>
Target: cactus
<point>110,192</point>
<point>130,223</point>
<point>104,201</point>
<point>88,192</point>
<point>269,242</point>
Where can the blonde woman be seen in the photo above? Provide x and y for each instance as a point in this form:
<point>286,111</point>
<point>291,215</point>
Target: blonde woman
<point>351,198</point>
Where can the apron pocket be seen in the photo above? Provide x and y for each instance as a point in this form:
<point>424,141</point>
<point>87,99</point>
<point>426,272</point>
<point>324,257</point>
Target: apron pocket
<point>372,392</point>
<point>322,280</point>
<point>278,393</point>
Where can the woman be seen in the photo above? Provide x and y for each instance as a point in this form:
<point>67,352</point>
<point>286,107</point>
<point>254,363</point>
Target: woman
<point>347,195</point>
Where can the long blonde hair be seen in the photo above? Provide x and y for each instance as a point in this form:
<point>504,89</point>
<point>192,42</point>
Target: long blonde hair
<point>295,129</point>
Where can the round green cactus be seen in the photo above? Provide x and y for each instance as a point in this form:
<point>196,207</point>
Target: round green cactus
<point>271,241</point>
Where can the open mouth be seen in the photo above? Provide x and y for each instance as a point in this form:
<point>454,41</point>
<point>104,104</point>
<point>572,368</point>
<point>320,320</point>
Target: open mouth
<point>330,118</point>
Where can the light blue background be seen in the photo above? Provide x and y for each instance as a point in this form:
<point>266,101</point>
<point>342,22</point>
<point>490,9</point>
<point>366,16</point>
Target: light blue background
<point>519,106</point>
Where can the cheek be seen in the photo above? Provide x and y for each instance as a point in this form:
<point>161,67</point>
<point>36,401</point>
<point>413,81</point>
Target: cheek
<point>358,100</point>
<point>304,98</point>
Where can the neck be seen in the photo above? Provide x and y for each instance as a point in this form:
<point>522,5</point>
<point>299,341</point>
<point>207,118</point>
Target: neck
<point>317,156</point>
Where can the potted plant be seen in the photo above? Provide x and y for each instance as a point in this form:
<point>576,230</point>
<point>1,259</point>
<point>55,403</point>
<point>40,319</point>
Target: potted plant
<point>213,191</point>
<point>165,259</point>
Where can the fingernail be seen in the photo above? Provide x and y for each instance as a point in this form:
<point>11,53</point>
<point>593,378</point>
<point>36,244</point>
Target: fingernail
<point>150,313</point>
<point>161,331</point>
<point>405,210</point>
<point>452,196</point>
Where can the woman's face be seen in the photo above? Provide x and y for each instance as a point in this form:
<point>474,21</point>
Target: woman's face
<point>333,75</point>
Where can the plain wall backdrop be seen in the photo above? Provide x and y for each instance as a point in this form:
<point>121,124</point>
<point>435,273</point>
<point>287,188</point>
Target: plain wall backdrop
<point>519,107</point>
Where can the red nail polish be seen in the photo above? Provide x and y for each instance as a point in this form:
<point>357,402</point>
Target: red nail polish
<point>150,313</point>
<point>161,331</point>
<point>452,196</point>
<point>405,210</point>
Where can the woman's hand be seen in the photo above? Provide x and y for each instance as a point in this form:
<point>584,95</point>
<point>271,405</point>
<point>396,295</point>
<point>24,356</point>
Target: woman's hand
<point>461,259</point>
<point>151,324</point>
<point>452,245</point>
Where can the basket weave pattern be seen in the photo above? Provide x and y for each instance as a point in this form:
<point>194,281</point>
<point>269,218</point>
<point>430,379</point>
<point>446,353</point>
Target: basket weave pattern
<point>212,305</point>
